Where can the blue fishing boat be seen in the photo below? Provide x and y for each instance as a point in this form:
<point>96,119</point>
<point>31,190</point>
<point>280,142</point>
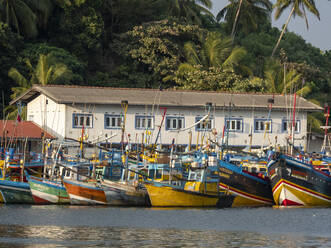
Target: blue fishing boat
<point>249,187</point>
<point>14,187</point>
<point>298,183</point>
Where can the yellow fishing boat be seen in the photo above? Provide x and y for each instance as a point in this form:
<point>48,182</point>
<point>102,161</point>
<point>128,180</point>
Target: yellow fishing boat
<point>200,190</point>
<point>163,195</point>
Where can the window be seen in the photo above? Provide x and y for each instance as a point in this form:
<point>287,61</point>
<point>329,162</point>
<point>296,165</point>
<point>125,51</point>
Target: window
<point>82,120</point>
<point>174,123</point>
<point>287,126</point>
<point>205,125</point>
<point>30,118</point>
<point>262,125</point>
<point>113,121</point>
<point>234,125</point>
<point>144,122</point>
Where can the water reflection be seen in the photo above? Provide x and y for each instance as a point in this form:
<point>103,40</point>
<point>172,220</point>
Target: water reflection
<point>65,236</point>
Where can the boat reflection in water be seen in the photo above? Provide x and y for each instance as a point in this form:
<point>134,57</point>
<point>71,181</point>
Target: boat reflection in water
<point>100,226</point>
<point>59,236</point>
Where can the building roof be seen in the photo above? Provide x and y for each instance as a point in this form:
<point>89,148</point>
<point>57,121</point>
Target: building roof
<point>65,94</point>
<point>22,130</point>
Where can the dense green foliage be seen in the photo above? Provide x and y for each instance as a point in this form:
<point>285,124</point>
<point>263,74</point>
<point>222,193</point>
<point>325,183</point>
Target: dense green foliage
<point>159,43</point>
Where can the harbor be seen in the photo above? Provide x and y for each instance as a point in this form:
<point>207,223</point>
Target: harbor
<point>84,163</point>
<point>165,123</point>
<point>73,226</point>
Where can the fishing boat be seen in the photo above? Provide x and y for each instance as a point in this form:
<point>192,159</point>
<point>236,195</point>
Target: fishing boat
<point>49,189</point>
<point>247,182</point>
<point>15,192</point>
<point>14,187</point>
<point>45,191</point>
<point>100,186</point>
<point>200,189</point>
<point>85,193</point>
<point>128,190</point>
<point>125,193</point>
<point>82,188</point>
<point>297,183</point>
<point>190,194</point>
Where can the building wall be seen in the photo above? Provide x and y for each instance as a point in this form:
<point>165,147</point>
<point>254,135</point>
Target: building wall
<point>47,114</point>
<point>237,138</point>
<point>58,119</point>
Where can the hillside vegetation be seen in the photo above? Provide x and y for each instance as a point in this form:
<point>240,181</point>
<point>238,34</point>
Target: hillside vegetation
<point>159,43</point>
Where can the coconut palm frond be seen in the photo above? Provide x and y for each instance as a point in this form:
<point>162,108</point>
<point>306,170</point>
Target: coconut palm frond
<point>237,54</point>
<point>305,91</point>
<point>191,53</point>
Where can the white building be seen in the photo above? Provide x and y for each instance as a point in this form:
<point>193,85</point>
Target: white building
<point>259,119</point>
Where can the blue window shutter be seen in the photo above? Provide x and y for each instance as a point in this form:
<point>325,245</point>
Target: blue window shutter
<point>167,124</point>
<point>73,120</point>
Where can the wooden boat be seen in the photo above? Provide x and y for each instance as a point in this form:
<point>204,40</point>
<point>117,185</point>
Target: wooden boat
<point>15,192</point>
<point>81,188</point>
<point>105,190</point>
<point>85,193</point>
<point>123,193</point>
<point>14,187</point>
<point>249,187</point>
<point>48,191</point>
<point>199,190</point>
<point>103,181</point>
<point>166,195</point>
<point>296,183</point>
<point>128,191</point>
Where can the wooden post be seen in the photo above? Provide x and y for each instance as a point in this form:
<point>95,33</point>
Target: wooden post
<point>23,160</point>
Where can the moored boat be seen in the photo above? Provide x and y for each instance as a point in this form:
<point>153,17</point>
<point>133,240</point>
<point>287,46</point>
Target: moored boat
<point>48,191</point>
<point>129,190</point>
<point>15,192</point>
<point>296,183</point>
<point>85,193</point>
<point>248,187</point>
<point>200,189</point>
<point>166,195</point>
<point>123,193</point>
<point>14,187</point>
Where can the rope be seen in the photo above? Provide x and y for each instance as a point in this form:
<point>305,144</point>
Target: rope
<point>184,129</point>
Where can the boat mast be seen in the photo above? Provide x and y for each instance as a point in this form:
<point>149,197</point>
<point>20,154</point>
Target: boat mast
<point>326,127</point>
<point>268,122</point>
<point>293,124</point>
<point>23,160</point>
<point>124,105</point>
<point>159,131</point>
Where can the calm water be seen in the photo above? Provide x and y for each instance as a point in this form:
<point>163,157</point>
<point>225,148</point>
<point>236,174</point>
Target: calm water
<point>70,226</point>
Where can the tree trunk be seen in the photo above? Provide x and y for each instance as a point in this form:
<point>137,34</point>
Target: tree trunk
<point>283,31</point>
<point>236,19</point>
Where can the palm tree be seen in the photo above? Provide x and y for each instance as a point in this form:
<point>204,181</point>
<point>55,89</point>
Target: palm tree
<point>46,71</point>
<point>298,7</point>
<point>188,9</point>
<point>213,57</point>
<point>25,15</point>
<point>247,12</point>
<point>216,51</point>
<point>281,80</point>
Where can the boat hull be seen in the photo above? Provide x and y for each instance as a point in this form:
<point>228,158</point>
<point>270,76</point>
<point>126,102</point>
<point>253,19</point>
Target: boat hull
<point>84,193</point>
<point>166,196</point>
<point>124,194</point>
<point>295,183</point>
<point>48,192</point>
<point>246,189</point>
<point>15,192</point>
